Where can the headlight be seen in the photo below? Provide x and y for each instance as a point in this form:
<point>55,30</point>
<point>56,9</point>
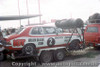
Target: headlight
<point>4,43</point>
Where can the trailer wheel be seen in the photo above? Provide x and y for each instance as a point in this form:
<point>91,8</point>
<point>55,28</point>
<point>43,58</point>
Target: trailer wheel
<point>46,57</point>
<point>74,45</point>
<point>59,55</point>
<point>1,56</point>
<point>29,49</point>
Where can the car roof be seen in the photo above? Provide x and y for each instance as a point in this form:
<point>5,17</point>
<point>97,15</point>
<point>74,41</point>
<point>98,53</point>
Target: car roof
<point>41,25</point>
<point>93,25</point>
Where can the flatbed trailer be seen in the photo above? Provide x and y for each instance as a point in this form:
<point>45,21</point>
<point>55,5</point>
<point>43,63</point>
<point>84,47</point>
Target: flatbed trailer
<point>45,42</point>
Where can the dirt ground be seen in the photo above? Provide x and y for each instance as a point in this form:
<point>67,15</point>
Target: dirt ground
<point>89,57</point>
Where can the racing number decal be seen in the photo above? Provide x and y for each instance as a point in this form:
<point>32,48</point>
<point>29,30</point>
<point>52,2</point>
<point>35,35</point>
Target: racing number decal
<point>50,42</point>
<point>18,42</point>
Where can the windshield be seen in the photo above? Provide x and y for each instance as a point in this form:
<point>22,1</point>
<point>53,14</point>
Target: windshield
<point>19,30</point>
<point>92,29</point>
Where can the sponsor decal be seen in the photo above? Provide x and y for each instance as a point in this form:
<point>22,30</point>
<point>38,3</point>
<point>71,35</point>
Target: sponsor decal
<point>40,39</point>
<point>40,43</point>
<point>66,39</point>
<point>35,40</point>
<point>18,42</point>
<point>31,40</point>
<point>59,37</point>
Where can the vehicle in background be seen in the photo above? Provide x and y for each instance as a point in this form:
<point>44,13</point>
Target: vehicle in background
<point>92,35</point>
<point>92,31</point>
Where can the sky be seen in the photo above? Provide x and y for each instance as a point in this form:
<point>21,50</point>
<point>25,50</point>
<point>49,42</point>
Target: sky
<point>50,9</point>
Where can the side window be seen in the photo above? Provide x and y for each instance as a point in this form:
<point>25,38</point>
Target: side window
<point>49,30</point>
<point>92,29</point>
<point>36,31</point>
<point>59,30</point>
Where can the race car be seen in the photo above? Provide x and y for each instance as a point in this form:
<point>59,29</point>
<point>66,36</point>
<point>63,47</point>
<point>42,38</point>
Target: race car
<point>92,31</point>
<point>44,41</point>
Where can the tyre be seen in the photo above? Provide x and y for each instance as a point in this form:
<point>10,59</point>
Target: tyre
<point>1,56</point>
<point>59,55</point>
<point>29,49</point>
<point>74,45</point>
<point>96,48</point>
<point>46,57</point>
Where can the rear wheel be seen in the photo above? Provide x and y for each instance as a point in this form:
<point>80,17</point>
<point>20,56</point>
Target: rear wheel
<point>59,55</point>
<point>46,57</point>
<point>74,45</point>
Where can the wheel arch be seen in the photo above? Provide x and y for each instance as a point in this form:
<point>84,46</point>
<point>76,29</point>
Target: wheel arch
<point>73,44</point>
<point>75,40</point>
<point>31,44</point>
<point>34,51</point>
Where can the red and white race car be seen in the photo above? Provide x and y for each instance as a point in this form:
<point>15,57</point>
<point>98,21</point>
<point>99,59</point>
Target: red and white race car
<point>45,41</point>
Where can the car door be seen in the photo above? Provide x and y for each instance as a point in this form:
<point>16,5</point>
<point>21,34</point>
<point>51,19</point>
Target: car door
<point>37,36</point>
<point>91,33</point>
<point>61,37</point>
<point>52,38</point>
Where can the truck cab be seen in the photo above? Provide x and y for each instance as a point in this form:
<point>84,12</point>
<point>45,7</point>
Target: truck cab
<point>92,35</point>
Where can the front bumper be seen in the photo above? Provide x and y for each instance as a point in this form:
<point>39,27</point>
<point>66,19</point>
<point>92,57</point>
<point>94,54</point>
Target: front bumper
<point>98,44</point>
<point>5,47</point>
<point>88,43</point>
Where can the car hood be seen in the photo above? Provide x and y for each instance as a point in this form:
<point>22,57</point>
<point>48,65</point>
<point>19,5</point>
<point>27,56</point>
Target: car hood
<point>12,36</point>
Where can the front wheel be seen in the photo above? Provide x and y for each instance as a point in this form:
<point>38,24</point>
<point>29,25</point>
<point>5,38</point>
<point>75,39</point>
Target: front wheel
<point>29,49</point>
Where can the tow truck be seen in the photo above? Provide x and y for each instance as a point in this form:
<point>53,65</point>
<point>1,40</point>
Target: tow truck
<point>46,42</point>
<point>92,31</point>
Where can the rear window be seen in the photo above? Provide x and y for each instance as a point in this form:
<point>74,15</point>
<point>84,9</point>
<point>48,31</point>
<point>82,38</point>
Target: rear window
<point>92,29</point>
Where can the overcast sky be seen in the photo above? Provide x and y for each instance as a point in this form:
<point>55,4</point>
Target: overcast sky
<point>50,9</point>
